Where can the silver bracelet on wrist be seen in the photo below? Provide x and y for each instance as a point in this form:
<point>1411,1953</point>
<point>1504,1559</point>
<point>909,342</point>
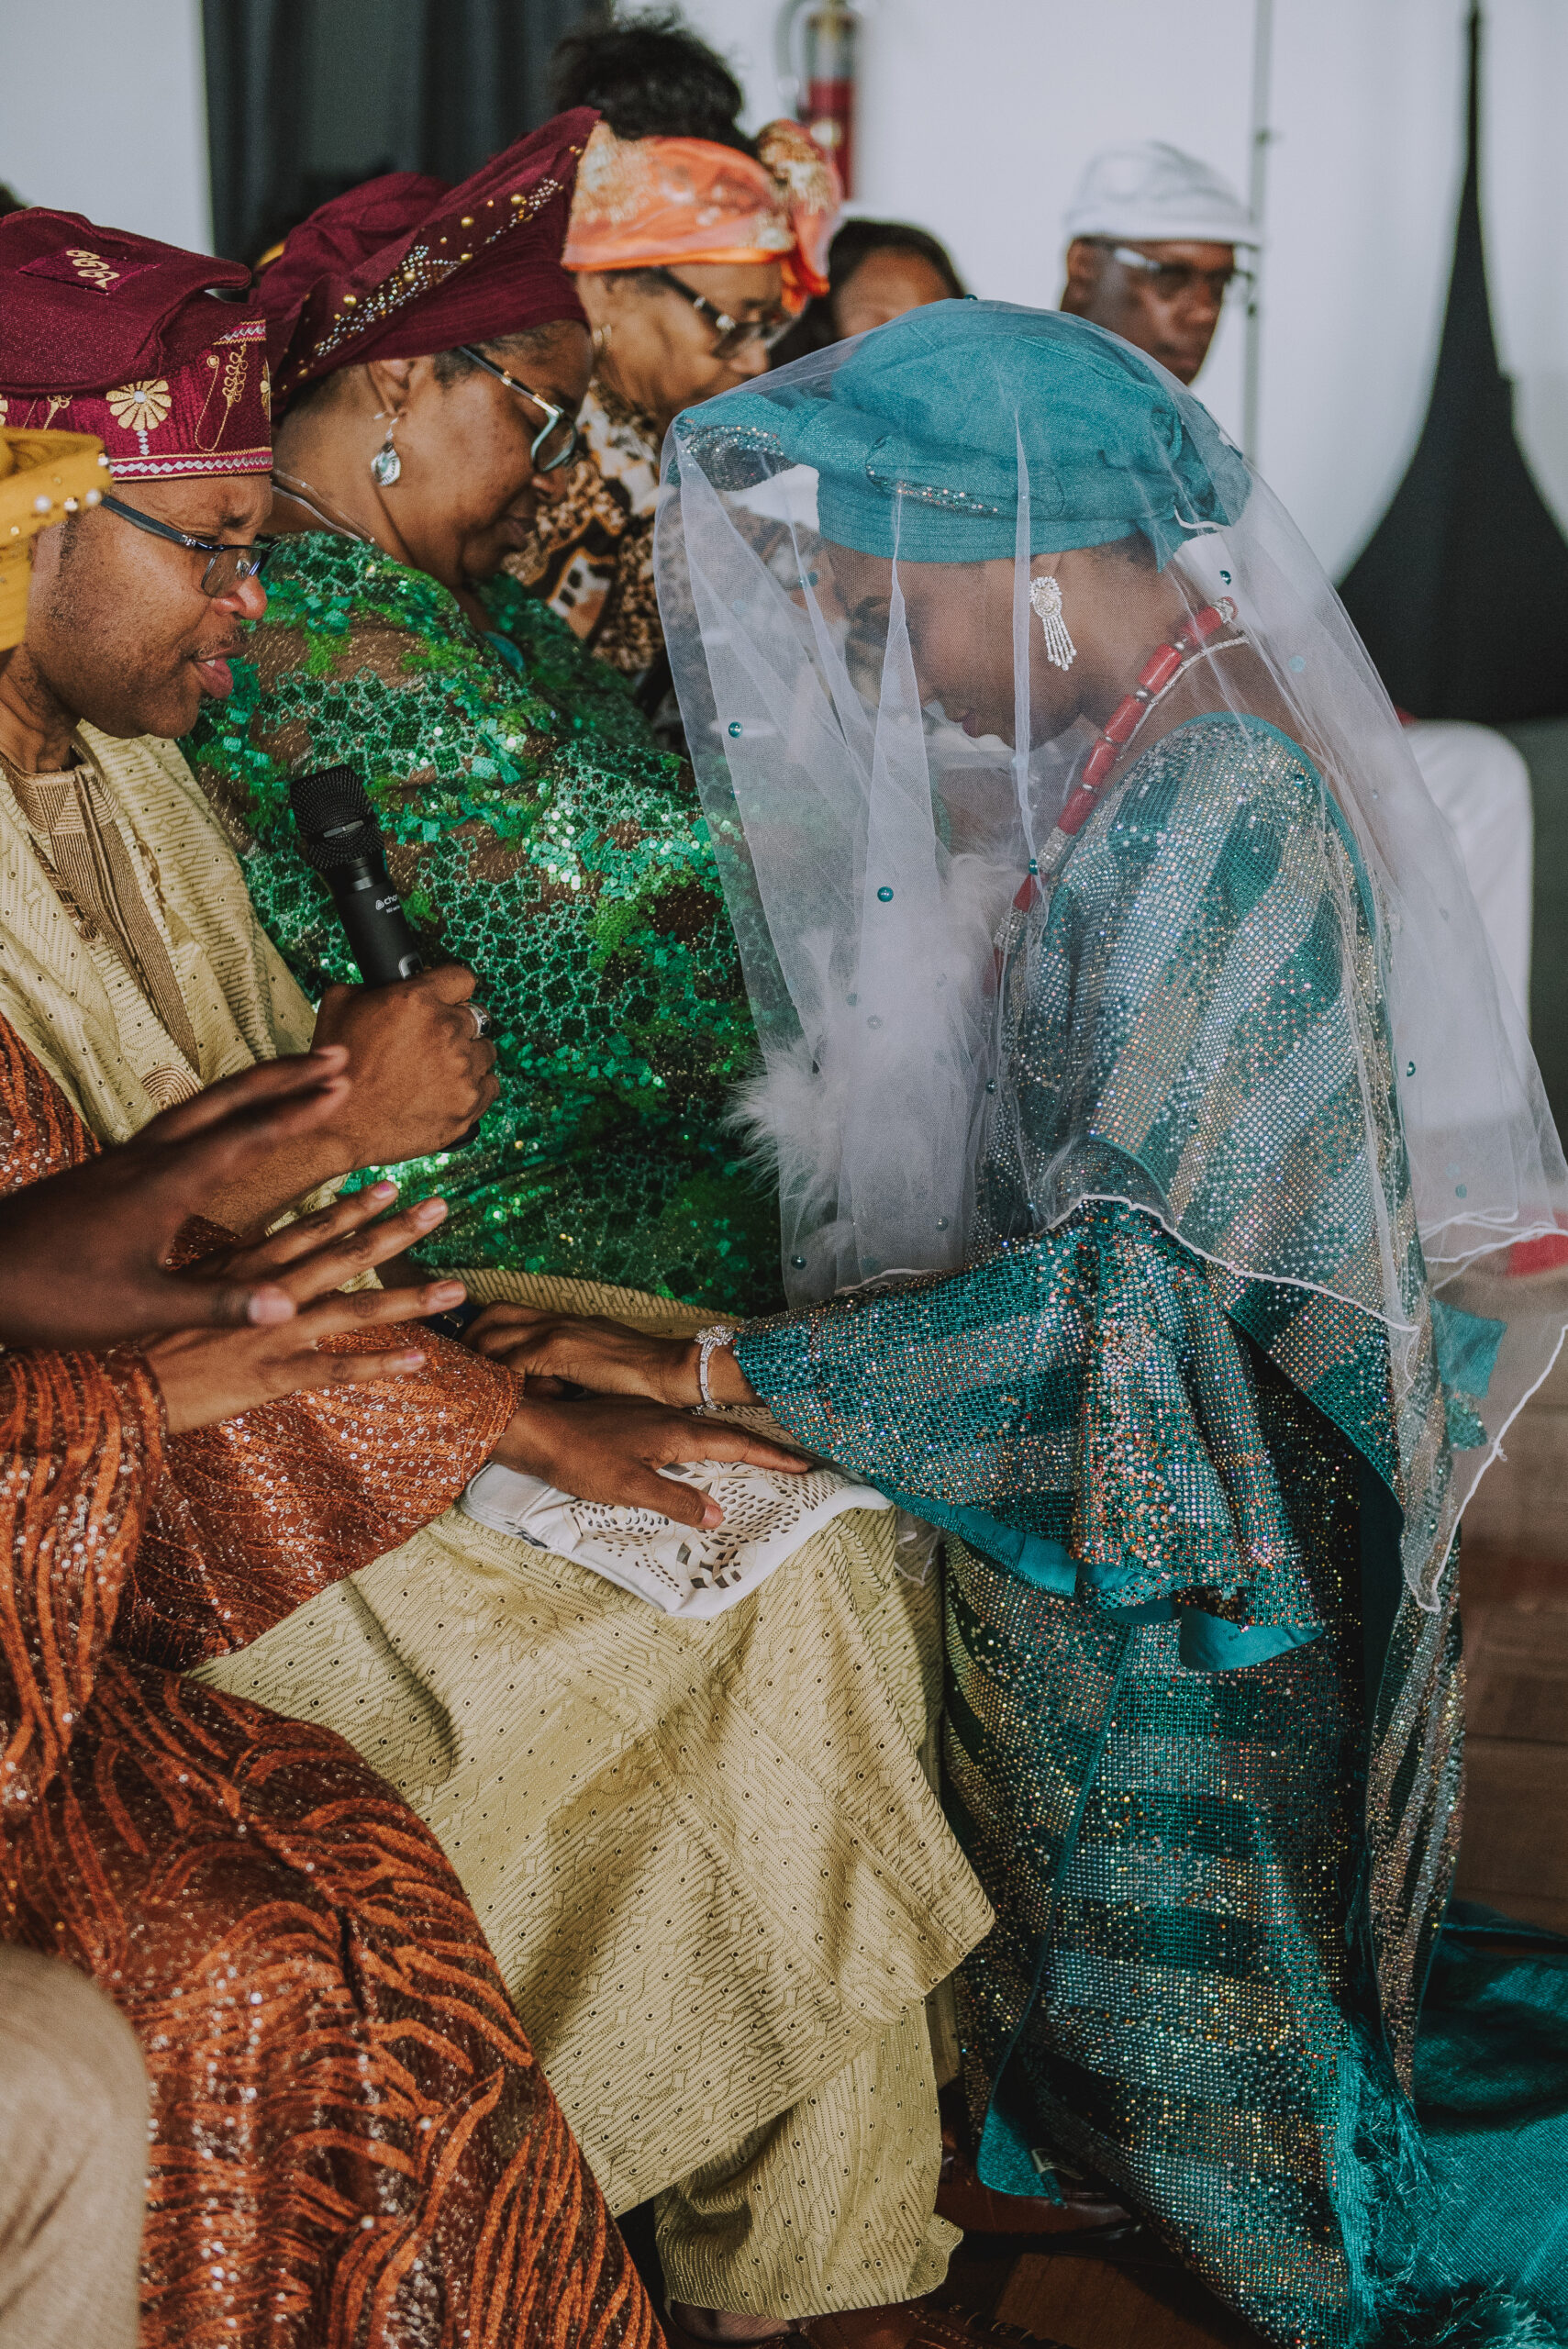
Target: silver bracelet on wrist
<point>719,1333</point>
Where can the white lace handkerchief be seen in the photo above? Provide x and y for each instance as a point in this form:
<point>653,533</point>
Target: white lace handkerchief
<point>767,1516</point>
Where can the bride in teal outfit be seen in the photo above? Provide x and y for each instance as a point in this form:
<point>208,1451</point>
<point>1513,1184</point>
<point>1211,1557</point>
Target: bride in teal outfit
<point>1151,1136</point>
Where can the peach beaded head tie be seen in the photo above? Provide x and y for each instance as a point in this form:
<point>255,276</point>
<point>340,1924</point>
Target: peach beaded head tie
<point>651,202</point>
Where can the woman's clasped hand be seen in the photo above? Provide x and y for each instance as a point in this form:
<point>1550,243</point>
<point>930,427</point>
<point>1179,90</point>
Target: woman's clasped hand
<point>208,1374</point>
<point>84,1256</point>
<point>84,1253</point>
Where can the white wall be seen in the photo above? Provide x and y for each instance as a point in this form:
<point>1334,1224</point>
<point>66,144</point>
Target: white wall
<point>977,118</point>
<point>1525,204</point>
<point>103,111</point>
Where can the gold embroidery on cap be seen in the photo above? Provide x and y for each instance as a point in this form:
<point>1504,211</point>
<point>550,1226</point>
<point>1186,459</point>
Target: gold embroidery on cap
<point>93,267</point>
<point>140,407</point>
<point>421,269</point>
<point>231,386</point>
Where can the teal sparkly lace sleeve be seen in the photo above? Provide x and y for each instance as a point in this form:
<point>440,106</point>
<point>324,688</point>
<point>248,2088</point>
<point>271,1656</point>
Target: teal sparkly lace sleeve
<point>1102,1384</point>
<point>1082,1394</point>
<point>536,832</point>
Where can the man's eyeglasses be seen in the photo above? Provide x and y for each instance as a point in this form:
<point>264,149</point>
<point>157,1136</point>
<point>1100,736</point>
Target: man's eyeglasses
<point>228,564</point>
<point>735,335</point>
<point>556,445</point>
<point>1169,281</point>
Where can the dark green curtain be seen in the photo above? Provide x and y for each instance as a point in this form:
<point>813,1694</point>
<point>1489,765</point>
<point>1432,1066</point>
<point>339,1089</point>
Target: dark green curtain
<point>1461,593</point>
<point>309,97</point>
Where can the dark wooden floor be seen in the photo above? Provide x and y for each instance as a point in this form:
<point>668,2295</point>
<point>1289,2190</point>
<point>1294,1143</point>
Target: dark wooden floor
<point>1515,1855</point>
<point>1148,2303</point>
<point>1515,1858</point>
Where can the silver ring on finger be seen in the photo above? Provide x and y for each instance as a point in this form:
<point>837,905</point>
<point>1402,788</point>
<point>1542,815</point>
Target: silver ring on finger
<point>481,1017</point>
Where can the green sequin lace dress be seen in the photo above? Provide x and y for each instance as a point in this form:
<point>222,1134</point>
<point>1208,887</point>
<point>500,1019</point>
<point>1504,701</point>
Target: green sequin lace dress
<point>535,832</point>
<point>1202,1745</point>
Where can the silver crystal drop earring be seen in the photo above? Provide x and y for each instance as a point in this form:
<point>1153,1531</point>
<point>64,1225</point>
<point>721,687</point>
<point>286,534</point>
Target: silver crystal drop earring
<point>1045,594</point>
<point>386,465</point>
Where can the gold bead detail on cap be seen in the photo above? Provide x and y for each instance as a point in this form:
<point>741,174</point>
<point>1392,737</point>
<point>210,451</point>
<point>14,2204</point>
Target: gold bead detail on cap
<point>351,301</point>
<point>515,199</point>
<point>467,221</point>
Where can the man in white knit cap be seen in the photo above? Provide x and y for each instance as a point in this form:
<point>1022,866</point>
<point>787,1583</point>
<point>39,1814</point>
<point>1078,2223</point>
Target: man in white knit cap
<point>1152,254</point>
<point>1153,237</point>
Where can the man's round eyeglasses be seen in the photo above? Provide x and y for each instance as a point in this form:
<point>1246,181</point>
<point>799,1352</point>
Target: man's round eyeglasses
<point>1169,281</point>
<point>228,564</point>
<point>735,335</point>
<point>556,445</point>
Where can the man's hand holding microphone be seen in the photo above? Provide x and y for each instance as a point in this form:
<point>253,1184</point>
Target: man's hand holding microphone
<point>420,1069</point>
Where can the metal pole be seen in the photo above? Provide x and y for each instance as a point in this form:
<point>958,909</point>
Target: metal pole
<point>1257,178</point>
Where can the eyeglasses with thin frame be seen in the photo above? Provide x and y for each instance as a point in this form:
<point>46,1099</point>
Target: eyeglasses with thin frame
<point>1169,281</point>
<point>230,562</point>
<point>735,335</point>
<point>557,444</point>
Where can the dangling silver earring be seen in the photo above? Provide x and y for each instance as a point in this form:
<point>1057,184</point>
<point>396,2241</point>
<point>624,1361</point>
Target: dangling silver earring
<point>386,465</point>
<point>1045,594</point>
<point>601,341</point>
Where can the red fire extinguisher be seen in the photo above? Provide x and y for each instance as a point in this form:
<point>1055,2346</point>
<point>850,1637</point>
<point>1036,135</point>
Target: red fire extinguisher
<point>824,77</point>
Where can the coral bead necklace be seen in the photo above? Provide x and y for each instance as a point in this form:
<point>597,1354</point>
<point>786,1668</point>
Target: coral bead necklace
<point>1164,666</point>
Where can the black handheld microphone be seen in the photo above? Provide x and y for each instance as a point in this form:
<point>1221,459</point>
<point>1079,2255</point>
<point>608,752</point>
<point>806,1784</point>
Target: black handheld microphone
<point>340,836</point>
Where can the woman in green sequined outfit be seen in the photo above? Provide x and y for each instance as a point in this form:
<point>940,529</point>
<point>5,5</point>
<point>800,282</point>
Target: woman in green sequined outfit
<point>1132,1009</point>
<point>534,829</point>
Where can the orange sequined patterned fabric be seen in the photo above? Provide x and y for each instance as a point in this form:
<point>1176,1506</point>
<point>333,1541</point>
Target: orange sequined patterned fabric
<point>257,1514</point>
<point>351,2147</point>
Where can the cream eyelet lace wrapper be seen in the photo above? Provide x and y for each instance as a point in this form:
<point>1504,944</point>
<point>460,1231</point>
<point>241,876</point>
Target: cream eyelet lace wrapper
<point>677,1568</point>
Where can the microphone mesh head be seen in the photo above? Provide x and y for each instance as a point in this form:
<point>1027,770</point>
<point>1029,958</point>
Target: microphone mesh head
<point>333,800</point>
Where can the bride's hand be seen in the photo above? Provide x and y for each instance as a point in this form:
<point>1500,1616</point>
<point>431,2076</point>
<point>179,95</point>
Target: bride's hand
<point>603,1451</point>
<point>605,1357</point>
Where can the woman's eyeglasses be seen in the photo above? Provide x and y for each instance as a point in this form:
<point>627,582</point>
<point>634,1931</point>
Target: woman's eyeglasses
<point>557,444</point>
<point>227,564</point>
<point>735,335</point>
<point>1171,281</point>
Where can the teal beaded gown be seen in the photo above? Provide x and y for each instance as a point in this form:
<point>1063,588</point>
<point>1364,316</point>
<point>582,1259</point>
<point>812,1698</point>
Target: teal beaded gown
<point>536,832</point>
<point>1202,1744</point>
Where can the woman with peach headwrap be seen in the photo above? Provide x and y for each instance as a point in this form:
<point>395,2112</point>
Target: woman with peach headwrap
<point>692,260</point>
